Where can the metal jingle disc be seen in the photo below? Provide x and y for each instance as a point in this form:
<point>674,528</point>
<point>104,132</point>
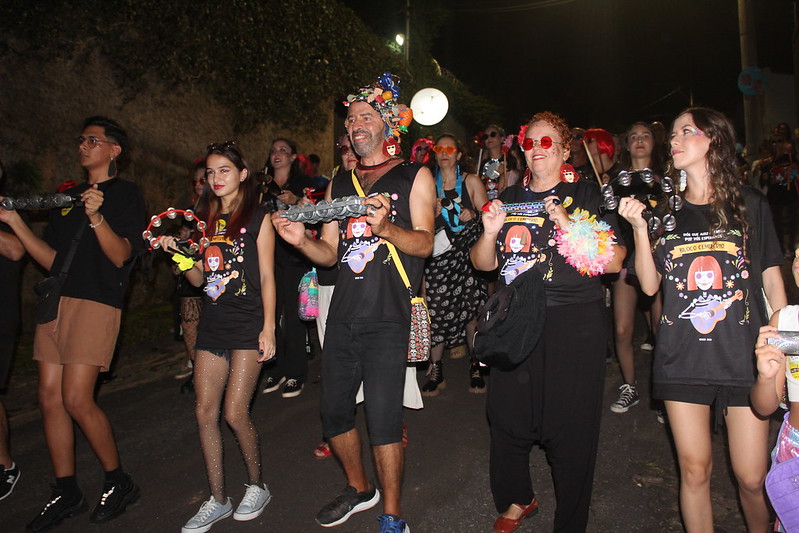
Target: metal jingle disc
<point>625,178</point>
<point>146,235</point>
<point>204,242</point>
<point>611,203</point>
<point>171,213</point>
<point>667,185</point>
<point>607,190</point>
<point>669,222</point>
<point>675,202</point>
<point>155,221</point>
<point>647,176</point>
<point>154,244</point>
<point>654,224</point>
<point>201,225</point>
<point>491,169</point>
<point>194,247</point>
<point>188,215</point>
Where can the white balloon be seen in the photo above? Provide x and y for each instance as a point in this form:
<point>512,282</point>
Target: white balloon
<point>429,106</point>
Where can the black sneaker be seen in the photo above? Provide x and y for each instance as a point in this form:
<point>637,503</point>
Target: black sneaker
<point>273,383</point>
<point>477,383</point>
<point>116,497</point>
<point>59,507</point>
<point>292,388</point>
<point>346,504</point>
<point>435,381</point>
<point>8,478</point>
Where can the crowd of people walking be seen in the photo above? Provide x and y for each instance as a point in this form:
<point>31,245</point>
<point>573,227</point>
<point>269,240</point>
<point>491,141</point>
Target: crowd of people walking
<point>662,221</point>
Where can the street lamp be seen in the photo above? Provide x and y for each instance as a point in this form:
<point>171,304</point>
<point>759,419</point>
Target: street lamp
<point>400,39</point>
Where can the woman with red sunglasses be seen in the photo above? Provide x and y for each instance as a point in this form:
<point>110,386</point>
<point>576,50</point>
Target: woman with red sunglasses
<point>553,398</point>
<point>454,292</point>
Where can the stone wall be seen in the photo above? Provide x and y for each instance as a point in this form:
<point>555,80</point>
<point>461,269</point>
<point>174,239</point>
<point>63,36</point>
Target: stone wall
<point>43,104</point>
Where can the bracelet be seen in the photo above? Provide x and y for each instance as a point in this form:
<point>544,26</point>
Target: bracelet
<point>102,219</point>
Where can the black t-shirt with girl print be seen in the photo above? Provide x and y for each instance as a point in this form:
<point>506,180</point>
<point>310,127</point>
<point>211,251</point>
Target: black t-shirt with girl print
<point>233,312</point>
<point>711,314</point>
<point>528,241</point>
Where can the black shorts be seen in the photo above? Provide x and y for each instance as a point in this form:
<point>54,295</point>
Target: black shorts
<point>719,397</point>
<point>377,354</point>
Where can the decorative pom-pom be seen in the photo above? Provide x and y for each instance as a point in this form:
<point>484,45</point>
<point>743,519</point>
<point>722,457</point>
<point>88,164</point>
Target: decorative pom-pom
<point>586,244</point>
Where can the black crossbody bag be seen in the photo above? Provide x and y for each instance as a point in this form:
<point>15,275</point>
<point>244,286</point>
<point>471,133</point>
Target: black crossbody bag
<point>49,289</point>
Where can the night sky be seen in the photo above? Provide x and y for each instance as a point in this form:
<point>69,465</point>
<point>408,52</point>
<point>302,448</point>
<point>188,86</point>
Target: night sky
<point>603,63</point>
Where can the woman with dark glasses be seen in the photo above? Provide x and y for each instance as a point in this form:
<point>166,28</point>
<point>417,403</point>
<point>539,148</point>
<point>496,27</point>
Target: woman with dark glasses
<point>553,398</point>
<point>237,327</point>
<point>454,292</point>
<point>496,170</point>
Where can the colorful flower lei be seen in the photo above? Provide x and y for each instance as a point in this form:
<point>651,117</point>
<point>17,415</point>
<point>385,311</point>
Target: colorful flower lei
<point>586,244</point>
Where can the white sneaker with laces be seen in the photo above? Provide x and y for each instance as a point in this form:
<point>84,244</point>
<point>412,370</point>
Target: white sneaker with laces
<point>253,503</point>
<point>209,514</point>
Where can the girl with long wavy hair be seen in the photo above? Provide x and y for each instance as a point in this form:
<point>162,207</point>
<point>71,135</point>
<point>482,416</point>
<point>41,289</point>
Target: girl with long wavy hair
<point>704,362</point>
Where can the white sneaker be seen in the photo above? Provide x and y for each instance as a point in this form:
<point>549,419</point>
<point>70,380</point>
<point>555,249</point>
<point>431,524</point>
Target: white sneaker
<point>209,514</point>
<point>253,503</point>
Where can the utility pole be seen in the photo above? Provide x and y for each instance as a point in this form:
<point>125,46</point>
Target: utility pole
<point>753,105</point>
<point>407,31</point>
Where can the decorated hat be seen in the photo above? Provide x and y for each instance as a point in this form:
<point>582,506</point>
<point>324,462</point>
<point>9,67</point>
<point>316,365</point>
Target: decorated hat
<point>383,96</point>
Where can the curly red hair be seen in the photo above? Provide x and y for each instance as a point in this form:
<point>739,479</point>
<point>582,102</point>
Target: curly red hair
<point>557,122</point>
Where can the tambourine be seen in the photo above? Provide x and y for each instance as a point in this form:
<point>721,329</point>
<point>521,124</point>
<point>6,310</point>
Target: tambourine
<point>660,197</point>
<point>524,208</point>
<point>325,211</point>
<point>192,247</point>
<point>46,201</point>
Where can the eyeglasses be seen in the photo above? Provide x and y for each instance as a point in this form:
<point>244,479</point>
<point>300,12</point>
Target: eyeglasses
<point>545,143</point>
<point>92,142</point>
<point>344,149</point>
<point>221,146</point>
<point>492,134</point>
<point>449,150</point>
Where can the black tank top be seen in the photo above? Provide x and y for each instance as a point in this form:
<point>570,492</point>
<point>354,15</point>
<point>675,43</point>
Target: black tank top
<point>369,286</point>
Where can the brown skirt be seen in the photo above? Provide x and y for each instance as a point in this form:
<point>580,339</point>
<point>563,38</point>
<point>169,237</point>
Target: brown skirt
<point>84,333</point>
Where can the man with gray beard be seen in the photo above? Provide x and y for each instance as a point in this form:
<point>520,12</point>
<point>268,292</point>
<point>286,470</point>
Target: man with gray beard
<point>369,320</point>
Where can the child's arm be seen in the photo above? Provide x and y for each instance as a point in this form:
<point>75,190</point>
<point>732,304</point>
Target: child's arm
<point>795,267</point>
<point>768,387</point>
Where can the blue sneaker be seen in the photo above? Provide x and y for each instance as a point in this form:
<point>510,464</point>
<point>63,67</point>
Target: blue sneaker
<point>390,523</point>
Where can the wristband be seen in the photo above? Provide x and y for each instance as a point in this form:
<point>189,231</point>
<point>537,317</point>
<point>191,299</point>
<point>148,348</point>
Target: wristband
<point>184,263</point>
<point>102,219</point>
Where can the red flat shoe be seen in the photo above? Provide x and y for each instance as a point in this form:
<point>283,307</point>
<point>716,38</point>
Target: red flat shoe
<point>508,525</point>
<point>322,451</point>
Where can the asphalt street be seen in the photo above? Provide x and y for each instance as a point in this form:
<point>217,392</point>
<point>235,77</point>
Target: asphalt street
<point>445,488</point>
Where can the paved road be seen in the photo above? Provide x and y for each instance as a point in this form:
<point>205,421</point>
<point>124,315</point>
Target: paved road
<point>446,477</point>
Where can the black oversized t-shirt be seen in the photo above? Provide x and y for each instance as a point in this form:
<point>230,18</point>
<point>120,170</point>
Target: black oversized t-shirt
<point>711,315</point>
<point>369,286</point>
<point>233,311</point>
<point>528,241</point>
<point>92,276</point>
<point>9,305</point>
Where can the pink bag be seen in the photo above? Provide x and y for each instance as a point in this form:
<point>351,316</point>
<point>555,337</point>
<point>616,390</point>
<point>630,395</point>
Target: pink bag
<point>309,296</point>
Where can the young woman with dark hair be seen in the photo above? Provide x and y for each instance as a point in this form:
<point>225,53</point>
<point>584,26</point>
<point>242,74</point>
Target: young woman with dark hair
<point>237,327</point>
<point>640,153</point>
<point>713,270</point>
<point>291,367</point>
